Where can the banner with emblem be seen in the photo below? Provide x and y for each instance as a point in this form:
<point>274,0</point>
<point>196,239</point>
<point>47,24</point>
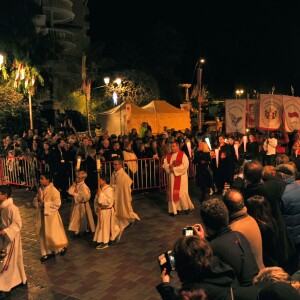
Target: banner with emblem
<point>252,113</point>
<point>270,112</point>
<point>291,113</point>
<point>235,116</point>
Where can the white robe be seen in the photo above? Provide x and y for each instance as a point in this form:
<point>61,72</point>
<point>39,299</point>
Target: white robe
<point>185,202</point>
<point>12,272</point>
<point>49,225</point>
<point>107,227</point>
<point>81,214</point>
<point>121,183</point>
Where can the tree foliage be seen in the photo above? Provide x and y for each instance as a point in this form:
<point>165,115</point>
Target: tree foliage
<point>14,113</point>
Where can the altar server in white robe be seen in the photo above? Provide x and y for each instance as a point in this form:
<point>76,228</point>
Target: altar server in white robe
<point>12,272</point>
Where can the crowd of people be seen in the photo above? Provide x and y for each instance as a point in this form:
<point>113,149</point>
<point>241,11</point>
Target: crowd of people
<point>248,194</point>
<point>247,242</point>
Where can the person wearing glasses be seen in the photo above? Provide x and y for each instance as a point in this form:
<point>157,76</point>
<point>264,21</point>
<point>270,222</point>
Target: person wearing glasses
<point>121,182</point>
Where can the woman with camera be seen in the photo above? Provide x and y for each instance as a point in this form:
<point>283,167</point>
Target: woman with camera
<point>196,264</point>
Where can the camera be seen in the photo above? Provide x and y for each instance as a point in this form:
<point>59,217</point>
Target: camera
<point>167,260</point>
<point>188,231</point>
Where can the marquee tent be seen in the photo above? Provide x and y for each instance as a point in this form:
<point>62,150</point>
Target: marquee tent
<point>122,118</point>
<point>168,115</point>
<point>158,114</point>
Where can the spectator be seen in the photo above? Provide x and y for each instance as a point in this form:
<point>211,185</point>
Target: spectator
<point>131,165</point>
<point>203,176</point>
<point>290,202</point>
<point>104,150</point>
<point>59,167</point>
<point>272,190</point>
<point>231,247</point>
<point>259,208</point>
<point>115,152</point>
<point>252,147</point>
<point>240,221</point>
<point>195,263</point>
<point>270,145</point>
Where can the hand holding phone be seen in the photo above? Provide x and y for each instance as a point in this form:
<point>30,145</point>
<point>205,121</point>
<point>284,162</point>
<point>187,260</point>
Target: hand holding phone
<point>166,261</point>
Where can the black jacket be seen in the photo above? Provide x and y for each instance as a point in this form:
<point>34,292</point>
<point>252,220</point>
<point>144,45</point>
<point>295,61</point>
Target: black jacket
<point>217,283</point>
<point>233,248</point>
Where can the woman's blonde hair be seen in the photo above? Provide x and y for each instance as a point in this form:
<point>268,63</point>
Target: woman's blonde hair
<point>272,274</point>
<point>202,146</point>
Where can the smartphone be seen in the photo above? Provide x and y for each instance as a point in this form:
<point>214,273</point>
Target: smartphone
<point>188,231</point>
<point>167,260</point>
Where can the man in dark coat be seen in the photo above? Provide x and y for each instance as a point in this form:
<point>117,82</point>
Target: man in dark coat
<point>231,247</point>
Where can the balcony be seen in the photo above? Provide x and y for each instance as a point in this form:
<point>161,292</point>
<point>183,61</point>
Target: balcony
<point>58,11</point>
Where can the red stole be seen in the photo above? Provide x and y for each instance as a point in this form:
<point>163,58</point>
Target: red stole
<point>177,179</point>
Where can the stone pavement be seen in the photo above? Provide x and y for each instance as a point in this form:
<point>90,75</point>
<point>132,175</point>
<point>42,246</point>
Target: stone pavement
<point>128,270</point>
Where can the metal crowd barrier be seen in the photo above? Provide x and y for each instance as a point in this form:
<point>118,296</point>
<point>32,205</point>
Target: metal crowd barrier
<point>146,173</point>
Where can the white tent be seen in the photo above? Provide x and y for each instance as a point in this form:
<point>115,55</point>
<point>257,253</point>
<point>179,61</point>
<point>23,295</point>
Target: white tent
<point>158,114</point>
<point>122,118</point>
<point>168,115</point>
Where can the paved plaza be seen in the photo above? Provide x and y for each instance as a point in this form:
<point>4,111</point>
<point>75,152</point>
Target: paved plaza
<point>128,270</point>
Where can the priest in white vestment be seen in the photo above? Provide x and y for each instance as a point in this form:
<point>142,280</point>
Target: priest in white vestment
<point>176,165</point>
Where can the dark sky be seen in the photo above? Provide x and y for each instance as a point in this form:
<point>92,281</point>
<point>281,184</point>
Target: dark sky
<point>249,44</point>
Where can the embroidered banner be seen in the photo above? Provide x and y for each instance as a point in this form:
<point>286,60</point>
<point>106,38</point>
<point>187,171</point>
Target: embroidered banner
<point>291,113</point>
<point>270,112</point>
<point>235,115</point>
<point>252,113</point>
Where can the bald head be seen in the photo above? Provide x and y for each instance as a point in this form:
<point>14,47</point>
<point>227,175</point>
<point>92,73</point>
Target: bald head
<point>234,201</point>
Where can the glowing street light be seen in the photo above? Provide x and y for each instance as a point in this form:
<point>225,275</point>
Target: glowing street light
<point>115,96</point>
<point>1,60</point>
<point>239,93</point>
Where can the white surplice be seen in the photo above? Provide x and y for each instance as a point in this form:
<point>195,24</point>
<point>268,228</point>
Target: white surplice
<point>12,272</point>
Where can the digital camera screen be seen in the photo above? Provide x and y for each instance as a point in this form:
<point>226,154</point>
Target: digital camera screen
<point>188,231</point>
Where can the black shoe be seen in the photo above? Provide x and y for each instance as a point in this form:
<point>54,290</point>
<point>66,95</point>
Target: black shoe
<point>178,212</point>
<point>63,251</point>
<point>46,257</point>
<point>171,215</point>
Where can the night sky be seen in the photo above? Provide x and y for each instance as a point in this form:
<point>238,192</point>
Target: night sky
<point>247,44</point>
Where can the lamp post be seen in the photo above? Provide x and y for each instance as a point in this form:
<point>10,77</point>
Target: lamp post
<point>238,93</point>
<point>200,98</point>
<point>30,94</point>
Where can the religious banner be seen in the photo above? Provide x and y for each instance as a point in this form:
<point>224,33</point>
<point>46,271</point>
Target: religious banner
<point>252,113</point>
<point>270,112</point>
<point>291,113</point>
<point>235,116</point>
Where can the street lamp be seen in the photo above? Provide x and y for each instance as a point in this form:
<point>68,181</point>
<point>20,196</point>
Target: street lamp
<point>239,93</point>
<point>115,96</point>
<point>1,60</point>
